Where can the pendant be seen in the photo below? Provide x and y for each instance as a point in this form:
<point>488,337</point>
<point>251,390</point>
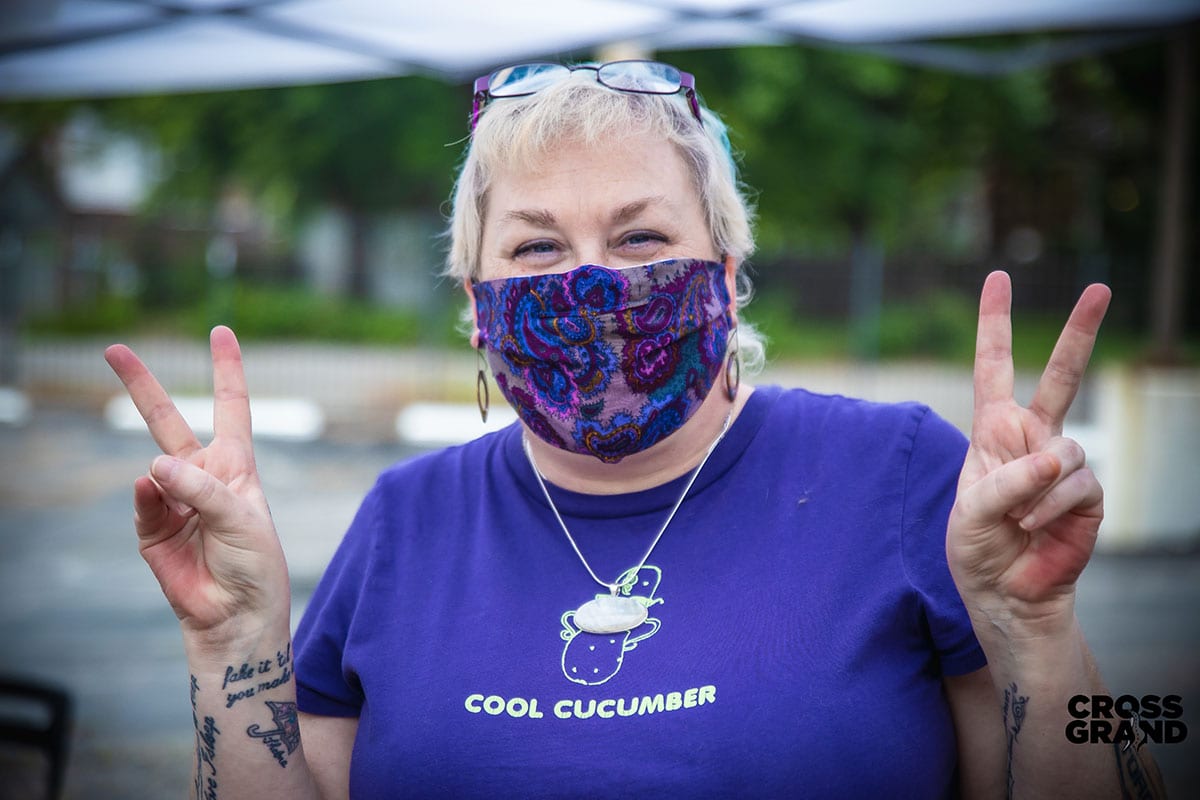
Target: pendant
<point>610,614</point>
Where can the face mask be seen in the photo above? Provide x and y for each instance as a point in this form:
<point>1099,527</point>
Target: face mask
<point>607,362</point>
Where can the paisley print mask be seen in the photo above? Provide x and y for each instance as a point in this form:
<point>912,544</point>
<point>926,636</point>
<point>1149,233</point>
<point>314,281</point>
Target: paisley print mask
<point>605,361</point>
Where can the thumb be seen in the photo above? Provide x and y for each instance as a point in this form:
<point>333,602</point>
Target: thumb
<point>191,486</point>
<point>1010,486</point>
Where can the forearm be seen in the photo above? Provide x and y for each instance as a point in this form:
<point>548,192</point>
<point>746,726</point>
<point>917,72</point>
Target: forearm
<point>1036,670</point>
<point>247,735</point>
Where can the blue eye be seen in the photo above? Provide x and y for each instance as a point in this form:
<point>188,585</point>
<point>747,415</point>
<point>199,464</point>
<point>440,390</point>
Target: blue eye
<point>536,248</point>
<point>642,237</point>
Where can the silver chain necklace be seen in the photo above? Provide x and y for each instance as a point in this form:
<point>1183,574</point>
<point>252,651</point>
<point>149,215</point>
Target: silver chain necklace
<point>612,612</point>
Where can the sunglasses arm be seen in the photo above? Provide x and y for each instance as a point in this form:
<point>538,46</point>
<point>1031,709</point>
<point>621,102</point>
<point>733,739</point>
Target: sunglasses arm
<point>478,101</point>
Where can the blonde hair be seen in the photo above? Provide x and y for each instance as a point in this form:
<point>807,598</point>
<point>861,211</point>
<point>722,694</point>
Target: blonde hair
<point>521,130</point>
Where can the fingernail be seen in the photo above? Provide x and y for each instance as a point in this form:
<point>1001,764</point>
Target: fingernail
<point>1029,523</point>
<point>163,468</point>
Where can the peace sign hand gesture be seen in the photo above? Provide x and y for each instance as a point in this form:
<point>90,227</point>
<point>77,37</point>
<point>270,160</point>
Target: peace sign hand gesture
<point>201,517</point>
<point>1028,507</point>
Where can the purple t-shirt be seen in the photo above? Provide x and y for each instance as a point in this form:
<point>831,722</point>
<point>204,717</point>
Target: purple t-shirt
<point>801,618</point>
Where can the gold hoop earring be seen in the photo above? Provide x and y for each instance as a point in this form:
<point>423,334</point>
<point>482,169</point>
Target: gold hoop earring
<point>482,396</point>
<point>733,364</point>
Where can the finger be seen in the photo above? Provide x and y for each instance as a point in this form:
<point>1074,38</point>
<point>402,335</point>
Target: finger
<point>1020,481</point>
<point>185,483</point>
<point>164,421</point>
<point>231,400</point>
<point>1077,491</point>
<point>993,342</point>
<point>152,508</point>
<point>149,510</point>
<point>1071,457</point>
<point>151,505</point>
<point>1064,371</point>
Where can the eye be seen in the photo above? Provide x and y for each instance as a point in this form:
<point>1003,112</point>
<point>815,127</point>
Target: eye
<point>534,247</point>
<point>641,244</point>
<point>642,240</point>
<point>539,250</point>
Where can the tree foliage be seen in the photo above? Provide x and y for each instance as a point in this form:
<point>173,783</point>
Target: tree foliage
<point>364,146</point>
<point>838,142</point>
<point>839,148</point>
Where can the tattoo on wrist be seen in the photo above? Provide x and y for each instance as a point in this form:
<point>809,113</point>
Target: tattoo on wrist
<point>286,734</point>
<point>253,678</point>
<point>1014,718</point>
<point>206,750</point>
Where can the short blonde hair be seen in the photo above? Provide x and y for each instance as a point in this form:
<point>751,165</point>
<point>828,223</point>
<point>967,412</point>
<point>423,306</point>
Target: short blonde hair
<point>521,130</point>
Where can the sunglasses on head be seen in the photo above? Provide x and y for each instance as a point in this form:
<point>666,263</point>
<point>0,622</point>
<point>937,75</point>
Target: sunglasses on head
<point>639,77</point>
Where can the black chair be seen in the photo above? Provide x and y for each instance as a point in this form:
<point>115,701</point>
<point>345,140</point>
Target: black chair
<point>34,716</point>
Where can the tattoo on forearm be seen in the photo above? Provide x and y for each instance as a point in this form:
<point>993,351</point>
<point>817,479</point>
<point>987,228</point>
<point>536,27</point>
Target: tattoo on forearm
<point>206,751</point>
<point>1139,780</point>
<point>285,736</point>
<point>1014,718</point>
<point>250,679</point>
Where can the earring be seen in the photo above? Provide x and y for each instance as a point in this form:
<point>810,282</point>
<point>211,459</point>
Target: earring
<point>733,364</point>
<point>482,397</point>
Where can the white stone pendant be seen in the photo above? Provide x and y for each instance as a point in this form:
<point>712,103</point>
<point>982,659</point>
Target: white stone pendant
<point>610,614</point>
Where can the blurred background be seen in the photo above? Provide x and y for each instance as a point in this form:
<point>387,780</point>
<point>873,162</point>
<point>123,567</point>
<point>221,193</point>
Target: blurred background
<point>285,168</point>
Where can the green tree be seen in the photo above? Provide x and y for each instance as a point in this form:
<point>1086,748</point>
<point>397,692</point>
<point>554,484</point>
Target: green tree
<point>361,147</point>
<point>854,153</point>
<point>843,145</point>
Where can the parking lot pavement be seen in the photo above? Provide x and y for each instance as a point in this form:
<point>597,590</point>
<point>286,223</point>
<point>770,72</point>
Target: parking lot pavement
<point>79,608</point>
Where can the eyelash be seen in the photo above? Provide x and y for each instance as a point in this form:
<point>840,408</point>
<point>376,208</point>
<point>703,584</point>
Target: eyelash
<point>528,249</point>
<point>532,248</point>
<point>657,237</point>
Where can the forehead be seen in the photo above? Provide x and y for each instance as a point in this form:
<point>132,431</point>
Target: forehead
<point>574,175</point>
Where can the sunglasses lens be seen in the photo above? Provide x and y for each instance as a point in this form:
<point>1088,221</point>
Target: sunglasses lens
<point>524,79</point>
<point>642,77</point>
<point>647,77</point>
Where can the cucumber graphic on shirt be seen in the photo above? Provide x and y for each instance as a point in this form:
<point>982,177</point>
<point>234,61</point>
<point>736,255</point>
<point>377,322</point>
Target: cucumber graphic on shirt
<point>594,658</point>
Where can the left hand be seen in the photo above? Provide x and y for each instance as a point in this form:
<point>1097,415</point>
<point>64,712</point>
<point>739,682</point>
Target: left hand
<point>1028,508</point>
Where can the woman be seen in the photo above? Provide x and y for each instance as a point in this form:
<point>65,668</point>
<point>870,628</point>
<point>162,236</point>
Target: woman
<point>661,578</point>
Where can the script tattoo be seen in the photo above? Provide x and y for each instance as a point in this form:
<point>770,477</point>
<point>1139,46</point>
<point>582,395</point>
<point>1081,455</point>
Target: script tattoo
<point>1014,718</point>
<point>285,736</point>
<point>1139,781</point>
<point>206,750</point>
<point>250,679</point>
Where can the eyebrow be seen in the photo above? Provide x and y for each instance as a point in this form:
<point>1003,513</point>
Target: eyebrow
<point>540,218</point>
<point>631,211</point>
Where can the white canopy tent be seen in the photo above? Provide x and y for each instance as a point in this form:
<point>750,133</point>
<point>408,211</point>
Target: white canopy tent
<point>90,48</point>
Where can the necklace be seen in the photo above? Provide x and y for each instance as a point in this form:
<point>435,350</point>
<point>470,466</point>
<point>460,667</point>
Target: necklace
<point>616,611</point>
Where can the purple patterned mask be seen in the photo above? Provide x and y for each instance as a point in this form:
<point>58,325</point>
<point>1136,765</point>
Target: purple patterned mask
<point>605,361</point>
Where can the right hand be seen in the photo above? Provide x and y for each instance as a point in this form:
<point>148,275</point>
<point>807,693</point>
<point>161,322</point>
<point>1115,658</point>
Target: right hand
<point>201,517</point>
